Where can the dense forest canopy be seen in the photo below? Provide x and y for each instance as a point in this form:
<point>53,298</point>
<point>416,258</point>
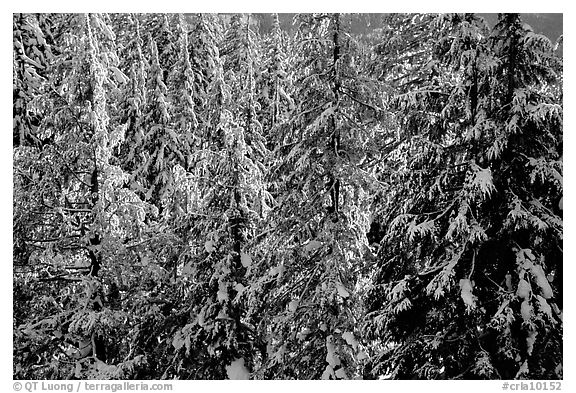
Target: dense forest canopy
<point>549,24</point>
<point>199,196</point>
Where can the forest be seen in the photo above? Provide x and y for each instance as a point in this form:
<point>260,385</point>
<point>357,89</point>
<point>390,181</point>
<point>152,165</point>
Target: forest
<point>205,196</point>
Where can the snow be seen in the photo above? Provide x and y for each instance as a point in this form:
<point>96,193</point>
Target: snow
<point>523,289</point>
<point>542,281</point>
<point>530,340</point>
<point>361,355</point>
<point>342,291</point>
<point>245,259</point>
<point>328,372</point>
<point>331,356</point>
<point>466,293</point>
<point>483,180</point>
<point>312,245</point>
<point>341,373</point>
<point>526,311</point>
<point>237,370</point>
<point>293,305</point>
<point>350,340</point>
<point>209,246</point>
<point>119,75</point>
<point>544,306</point>
<point>222,294</point>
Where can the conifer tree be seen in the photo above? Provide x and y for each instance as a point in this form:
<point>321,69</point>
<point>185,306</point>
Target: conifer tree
<point>134,103</point>
<point>320,223</point>
<point>216,342</point>
<point>204,36</point>
<point>30,52</point>
<point>160,144</point>
<point>162,29</point>
<point>91,212</point>
<point>274,85</point>
<point>182,98</point>
<point>241,57</point>
<point>198,198</point>
<point>458,232</point>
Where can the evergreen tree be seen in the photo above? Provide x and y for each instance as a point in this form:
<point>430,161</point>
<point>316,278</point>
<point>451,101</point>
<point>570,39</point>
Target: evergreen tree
<point>318,228</point>
<point>134,103</point>
<point>459,255</point>
<point>203,39</point>
<point>275,85</point>
<point>76,204</point>
<point>161,29</point>
<point>31,56</point>
<point>181,86</point>
<point>241,56</point>
<point>160,144</point>
<point>207,196</point>
<point>216,342</point>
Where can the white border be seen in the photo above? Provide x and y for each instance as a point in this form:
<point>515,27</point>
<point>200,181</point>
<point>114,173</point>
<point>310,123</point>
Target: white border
<point>293,6</point>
